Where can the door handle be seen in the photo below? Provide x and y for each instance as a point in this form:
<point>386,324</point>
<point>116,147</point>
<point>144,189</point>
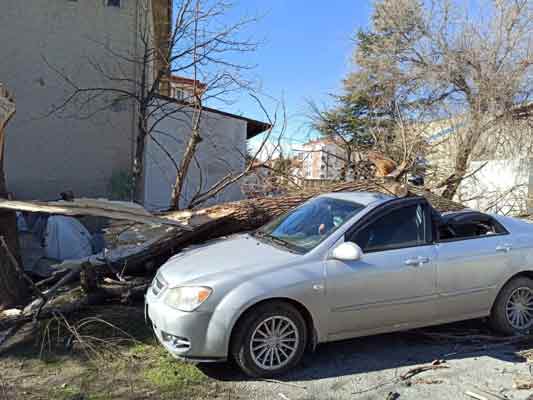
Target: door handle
<point>505,248</point>
<point>412,262</point>
<point>417,262</point>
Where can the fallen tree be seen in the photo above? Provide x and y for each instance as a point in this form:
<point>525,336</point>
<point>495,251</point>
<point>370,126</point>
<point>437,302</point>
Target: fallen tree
<point>104,276</point>
<point>192,227</point>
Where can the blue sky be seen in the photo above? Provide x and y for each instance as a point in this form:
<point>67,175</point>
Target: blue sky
<point>304,53</point>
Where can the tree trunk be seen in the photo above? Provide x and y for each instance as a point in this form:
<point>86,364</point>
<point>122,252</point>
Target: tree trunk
<point>13,289</point>
<point>138,161</point>
<point>454,181</point>
<point>142,132</point>
<point>462,159</point>
<point>190,151</point>
<point>251,214</point>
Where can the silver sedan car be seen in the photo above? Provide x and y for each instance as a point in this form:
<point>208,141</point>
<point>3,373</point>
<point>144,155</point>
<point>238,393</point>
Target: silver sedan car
<point>340,266</point>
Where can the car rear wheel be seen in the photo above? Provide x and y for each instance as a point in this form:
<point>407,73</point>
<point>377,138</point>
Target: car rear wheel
<point>512,312</point>
<point>269,340</point>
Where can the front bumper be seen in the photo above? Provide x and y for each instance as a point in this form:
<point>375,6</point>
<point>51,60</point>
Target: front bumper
<point>192,336</point>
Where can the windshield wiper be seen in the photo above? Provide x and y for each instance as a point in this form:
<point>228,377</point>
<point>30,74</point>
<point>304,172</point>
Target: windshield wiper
<point>280,241</point>
<point>274,239</point>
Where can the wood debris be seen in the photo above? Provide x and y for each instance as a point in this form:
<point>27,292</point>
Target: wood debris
<point>425,381</point>
<point>406,377</point>
<point>392,396</point>
<point>415,371</point>
<point>522,383</point>
<point>475,395</point>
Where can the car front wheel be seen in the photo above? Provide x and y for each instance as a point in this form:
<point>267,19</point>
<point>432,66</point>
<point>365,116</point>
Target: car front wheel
<point>512,312</point>
<point>270,340</point>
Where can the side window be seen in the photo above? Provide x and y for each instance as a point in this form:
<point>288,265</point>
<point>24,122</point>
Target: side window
<point>403,227</point>
<point>469,227</point>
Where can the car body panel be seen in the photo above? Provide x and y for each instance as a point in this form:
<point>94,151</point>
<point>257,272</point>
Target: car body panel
<point>468,273</point>
<point>376,294</point>
<point>380,291</point>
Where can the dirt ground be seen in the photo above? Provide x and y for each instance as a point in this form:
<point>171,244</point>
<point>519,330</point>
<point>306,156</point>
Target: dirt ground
<point>124,362</point>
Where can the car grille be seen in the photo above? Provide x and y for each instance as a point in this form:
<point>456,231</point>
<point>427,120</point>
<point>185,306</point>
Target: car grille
<point>158,285</point>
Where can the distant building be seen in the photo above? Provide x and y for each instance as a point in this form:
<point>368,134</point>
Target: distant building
<point>183,89</point>
<point>320,159</point>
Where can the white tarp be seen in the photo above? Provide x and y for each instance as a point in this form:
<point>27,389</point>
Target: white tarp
<point>66,239</point>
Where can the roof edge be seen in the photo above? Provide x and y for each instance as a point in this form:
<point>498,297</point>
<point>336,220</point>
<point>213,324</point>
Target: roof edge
<point>253,127</point>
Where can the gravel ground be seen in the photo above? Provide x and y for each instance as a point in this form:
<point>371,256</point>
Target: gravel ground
<point>370,368</point>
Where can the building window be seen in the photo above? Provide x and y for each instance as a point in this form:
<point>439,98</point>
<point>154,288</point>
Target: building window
<point>179,94</point>
<point>113,3</point>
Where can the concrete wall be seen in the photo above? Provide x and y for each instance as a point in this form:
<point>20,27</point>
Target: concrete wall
<point>50,154</point>
<point>220,152</point>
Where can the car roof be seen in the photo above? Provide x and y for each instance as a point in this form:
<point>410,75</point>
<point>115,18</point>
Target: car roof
<point>363,198</point>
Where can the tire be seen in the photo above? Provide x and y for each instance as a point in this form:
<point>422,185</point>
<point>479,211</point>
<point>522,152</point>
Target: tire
<point>284,349</point>
<point>501,318</point>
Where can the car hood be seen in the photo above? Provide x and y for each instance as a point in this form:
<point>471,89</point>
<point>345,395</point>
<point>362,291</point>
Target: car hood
<point>237,256</point>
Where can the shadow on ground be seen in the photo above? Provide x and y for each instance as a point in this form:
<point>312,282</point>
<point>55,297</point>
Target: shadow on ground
<point>381,352</point>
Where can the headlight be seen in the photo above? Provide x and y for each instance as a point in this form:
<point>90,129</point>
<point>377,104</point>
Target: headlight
<point>187,298</point>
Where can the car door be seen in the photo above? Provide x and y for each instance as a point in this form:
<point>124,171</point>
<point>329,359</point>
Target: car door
<point>393,285</point>
<point>469,270</point>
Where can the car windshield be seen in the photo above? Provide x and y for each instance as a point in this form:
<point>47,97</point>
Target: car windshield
<point>303,228</point>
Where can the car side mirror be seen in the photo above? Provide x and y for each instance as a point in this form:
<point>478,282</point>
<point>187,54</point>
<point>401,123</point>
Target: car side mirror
<point>347,251</point>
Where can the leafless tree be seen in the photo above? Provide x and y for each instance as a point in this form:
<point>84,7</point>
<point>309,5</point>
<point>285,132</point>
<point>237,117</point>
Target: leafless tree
<point>200,44</point>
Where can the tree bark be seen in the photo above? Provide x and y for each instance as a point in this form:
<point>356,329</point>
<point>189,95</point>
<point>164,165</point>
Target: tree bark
<point>251,214</point>
<point>13,289</point>
<point>454,181</point>
<point>185,164</point>
<point>462,160</point>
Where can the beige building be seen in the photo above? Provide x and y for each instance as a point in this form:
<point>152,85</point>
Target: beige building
<point>321,159</point>
<point>46,41</point>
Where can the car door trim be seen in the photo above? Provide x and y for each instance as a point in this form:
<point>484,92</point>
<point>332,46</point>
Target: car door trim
<point>465,292</point>
<point>382,304</point>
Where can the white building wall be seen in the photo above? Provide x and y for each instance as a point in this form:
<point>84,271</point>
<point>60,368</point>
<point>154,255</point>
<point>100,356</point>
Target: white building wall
<point>220,152</point>
<point>49,154</point>
<point>500,186</point>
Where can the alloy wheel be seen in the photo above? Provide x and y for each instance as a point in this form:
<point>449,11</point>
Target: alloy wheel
<point>274,342</point>
<point>519,309</point>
